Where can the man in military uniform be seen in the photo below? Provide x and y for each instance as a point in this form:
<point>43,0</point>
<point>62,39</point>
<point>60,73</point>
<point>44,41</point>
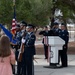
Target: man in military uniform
<point>23,25</point>
<point>56,29</point>
<point>29,50</point>
<point>22,33</point>
<point>45,33</point>
<point>63,53</point>
<point>18,37</point>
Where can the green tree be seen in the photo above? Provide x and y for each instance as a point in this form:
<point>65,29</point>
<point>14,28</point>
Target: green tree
<point>34,11</point>
<point>67,8</point>
<point>5,11</point>
<point>37,12</point>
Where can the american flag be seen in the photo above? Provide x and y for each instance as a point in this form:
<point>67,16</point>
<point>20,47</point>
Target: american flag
<point>13,30</point>
<point>13,26</point>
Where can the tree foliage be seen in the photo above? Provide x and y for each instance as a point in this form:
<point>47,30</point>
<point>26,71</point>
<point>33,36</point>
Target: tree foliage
<point>36,12</point>
<point>67,8</point>
<point>5,11</point>
<point>32,11</point>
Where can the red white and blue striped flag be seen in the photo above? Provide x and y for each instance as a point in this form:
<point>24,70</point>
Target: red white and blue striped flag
<point>13,26</point>
<point>13,30</point>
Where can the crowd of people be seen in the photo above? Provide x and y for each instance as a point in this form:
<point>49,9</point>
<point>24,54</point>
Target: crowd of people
<point>25,48</point>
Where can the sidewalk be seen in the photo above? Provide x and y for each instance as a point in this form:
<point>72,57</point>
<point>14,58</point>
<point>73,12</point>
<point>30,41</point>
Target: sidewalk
<point>40,70</point>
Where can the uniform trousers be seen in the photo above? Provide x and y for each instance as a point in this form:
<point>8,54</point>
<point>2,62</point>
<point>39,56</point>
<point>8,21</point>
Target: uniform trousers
<point>19,68</point>
<point>63,56</point>
<point>28,65</point>
<point>19,64</point>
<point>46,51</point>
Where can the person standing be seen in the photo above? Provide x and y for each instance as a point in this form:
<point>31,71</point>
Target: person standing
<point>7,56</point>
<point>63,53</point>
<point>45,33</point>
<point>56,29</point>
<point>22,33</point>
<point>29,50</point>
<point>23,25</point>
<point>18,38</point>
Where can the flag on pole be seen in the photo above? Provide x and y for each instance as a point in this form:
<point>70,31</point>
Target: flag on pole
<point>9,34</point>
<point>13,30</point>
<point>14,16</point>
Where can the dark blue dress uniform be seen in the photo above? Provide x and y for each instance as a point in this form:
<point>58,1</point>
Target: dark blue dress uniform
<point>56,31</point>
<point>44,33</point>
<point>18,38</point>
<point>29,52</point>
<point>63,53</point>
<point>20,63</point>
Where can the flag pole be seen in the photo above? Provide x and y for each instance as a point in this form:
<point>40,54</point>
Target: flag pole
<point>13,30</point>
<point>14,9</point>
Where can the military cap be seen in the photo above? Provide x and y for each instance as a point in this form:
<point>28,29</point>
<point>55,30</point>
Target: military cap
<point>23,23</point>
<point>55,23</point>
<point>63,24</point>
<point>30,26</point>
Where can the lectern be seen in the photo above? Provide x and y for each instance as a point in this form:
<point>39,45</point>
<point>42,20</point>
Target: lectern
<point>56,44</point>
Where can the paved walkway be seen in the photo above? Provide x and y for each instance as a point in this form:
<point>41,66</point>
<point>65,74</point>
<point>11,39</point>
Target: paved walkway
<point>41,62</point>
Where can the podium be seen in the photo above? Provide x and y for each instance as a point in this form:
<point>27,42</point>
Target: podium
<point>55,43</point>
